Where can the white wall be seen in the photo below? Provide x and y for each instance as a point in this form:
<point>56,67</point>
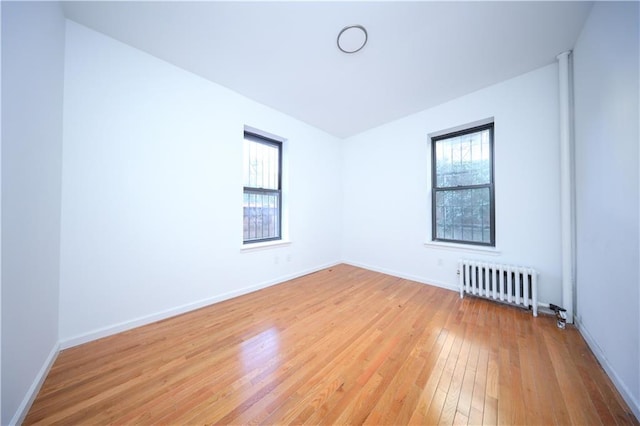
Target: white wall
<point>608,193</point>
<point>152,191</point>
<point>32,90</point>
<point>387,214</point>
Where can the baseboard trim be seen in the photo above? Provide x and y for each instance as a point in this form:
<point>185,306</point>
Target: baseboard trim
<point>31,394</point>
<point>604,362</point>
<point>178,310</point>
<point>422,280</point>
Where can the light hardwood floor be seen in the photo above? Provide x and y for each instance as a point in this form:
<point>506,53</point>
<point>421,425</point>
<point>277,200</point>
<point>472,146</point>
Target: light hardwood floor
<point>343,345</point>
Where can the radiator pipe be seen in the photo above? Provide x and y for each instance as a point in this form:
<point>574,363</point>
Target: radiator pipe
<point>566,183</point>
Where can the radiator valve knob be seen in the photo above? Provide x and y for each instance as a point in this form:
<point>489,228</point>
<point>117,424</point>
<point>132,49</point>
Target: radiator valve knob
<point>561,315</point>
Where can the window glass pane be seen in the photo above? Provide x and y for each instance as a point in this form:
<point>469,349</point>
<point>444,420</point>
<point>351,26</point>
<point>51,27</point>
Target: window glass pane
<point>463,160</point>
<point>261,215</point>
<point>464,215</point>
<point>261,168</point>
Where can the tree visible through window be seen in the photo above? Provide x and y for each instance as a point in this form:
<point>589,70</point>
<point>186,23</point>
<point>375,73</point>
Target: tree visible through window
<point>463,207</point>
<point>262,204</point>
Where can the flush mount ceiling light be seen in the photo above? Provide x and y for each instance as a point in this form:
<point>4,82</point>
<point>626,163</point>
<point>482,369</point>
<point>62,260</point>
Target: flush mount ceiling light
<point>352,38</point>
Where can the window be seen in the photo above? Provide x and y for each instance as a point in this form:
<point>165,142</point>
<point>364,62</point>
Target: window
<point>262,204</point>
<point>463,205</point>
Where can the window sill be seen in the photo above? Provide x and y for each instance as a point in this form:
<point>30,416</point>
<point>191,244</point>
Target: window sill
<point>491,251</point>
<point>264,246</point>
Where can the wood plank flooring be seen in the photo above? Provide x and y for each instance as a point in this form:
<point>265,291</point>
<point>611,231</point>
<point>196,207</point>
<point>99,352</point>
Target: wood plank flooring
<point>340,346</point>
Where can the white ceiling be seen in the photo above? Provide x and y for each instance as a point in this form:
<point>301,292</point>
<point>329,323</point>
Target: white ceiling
<point>284,54</point>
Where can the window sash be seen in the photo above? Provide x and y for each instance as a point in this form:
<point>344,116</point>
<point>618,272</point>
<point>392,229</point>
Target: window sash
<point>436,190</point>
<point>262,214</point>
<point>464,223</point>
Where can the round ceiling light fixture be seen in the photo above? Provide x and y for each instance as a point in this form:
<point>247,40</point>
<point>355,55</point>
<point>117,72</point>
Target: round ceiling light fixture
<point>352,38</point>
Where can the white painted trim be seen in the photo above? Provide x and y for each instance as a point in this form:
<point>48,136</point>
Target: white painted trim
<point>264,245</point>
<point>491,251</point>
<point>171,312</point>
<point>422,280</point>
<point>256,131</point>
<point>31,394</point>
<point>604,362</point>
<point>462,127</point>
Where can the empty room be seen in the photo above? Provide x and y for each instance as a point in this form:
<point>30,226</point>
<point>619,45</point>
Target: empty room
<point>320,212</point>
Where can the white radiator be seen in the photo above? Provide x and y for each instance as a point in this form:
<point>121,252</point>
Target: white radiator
<point>515,285</point>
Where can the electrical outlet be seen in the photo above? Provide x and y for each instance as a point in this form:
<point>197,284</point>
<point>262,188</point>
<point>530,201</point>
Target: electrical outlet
<point>440,262</point>
<point>276,260</point>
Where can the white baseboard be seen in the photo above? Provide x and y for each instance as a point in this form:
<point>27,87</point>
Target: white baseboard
<point>633,403</point>
<point>31,394</point>
<point>422,280</point>
<point>148,319</point>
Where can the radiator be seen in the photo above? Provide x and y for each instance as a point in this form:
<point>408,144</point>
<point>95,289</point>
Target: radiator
<point>515,285</point>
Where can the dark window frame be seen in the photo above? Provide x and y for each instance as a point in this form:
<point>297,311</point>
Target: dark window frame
<point>435,189</point>
<point>254,137</point>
